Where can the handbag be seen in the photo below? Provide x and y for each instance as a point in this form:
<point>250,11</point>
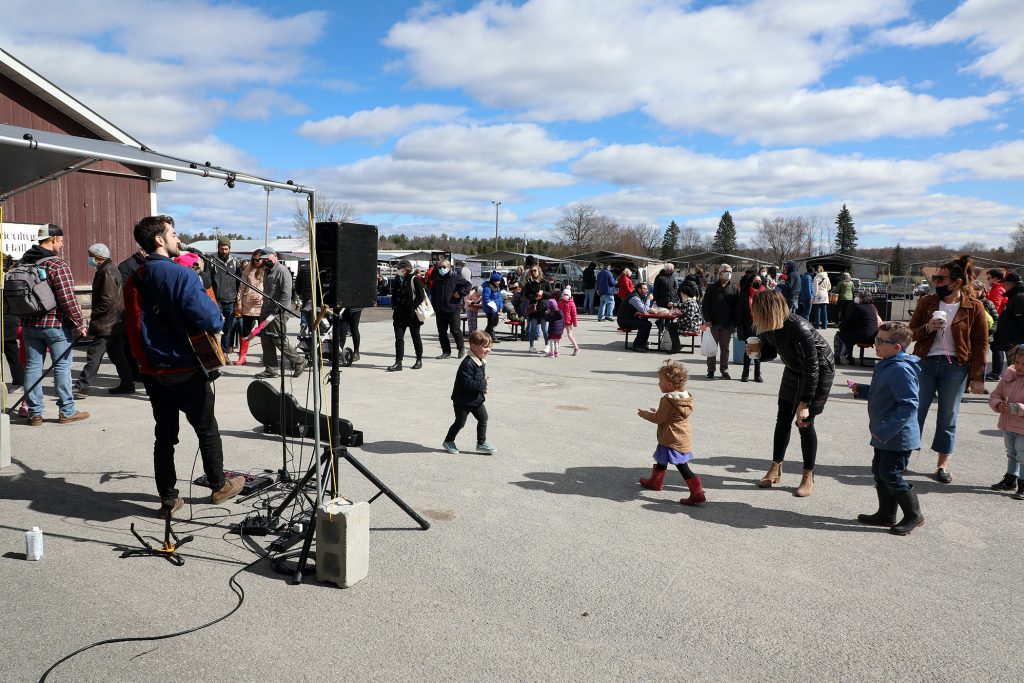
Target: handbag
<point>708,345</point>
<point>425,309</point>
<point>833,298</point>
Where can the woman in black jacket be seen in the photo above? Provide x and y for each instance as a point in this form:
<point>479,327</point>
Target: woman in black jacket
<point>745,324</point>
<point>407,293</point>
<point>806,381</point>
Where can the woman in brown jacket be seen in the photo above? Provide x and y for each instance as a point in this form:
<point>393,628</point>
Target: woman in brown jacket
<point>249,301</point>
<point>951,334</point>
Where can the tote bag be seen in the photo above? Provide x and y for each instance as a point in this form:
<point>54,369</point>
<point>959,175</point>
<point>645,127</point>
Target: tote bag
<point>425,309</point>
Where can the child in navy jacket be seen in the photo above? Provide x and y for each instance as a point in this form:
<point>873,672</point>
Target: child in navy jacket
<point>892,412</point>
<point>468,394</point>
<point>556,324</point>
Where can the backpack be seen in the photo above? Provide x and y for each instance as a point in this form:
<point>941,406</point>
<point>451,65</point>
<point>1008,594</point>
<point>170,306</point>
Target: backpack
<point>27,291</point>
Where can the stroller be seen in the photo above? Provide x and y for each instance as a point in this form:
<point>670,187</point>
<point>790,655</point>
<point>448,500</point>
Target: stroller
<point>305,341</point>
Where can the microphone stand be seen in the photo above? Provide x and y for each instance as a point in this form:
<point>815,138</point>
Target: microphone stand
<point>283,476</point>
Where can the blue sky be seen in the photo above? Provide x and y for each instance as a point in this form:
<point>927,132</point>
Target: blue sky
<point>418,115</point>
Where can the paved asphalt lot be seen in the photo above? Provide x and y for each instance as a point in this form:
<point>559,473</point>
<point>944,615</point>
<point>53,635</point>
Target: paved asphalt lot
<point>544,562</point>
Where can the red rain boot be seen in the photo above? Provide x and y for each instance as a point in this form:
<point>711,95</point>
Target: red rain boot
<point>696,493</point>
<point>657,480</point>
<point>243,348</point>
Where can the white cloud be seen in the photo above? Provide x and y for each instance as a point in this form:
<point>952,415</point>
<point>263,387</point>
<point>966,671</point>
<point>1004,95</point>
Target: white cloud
<point>1003,162</point>
<point>750,70</point>
<point>264,104</point>
<point>993,26</point>
<point>376,124</point>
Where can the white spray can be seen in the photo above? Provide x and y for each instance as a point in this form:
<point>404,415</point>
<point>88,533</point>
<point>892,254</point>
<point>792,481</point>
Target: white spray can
<point>34,544</point>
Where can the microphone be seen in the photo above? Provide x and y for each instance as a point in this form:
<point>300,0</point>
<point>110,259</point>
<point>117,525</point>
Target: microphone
<point>193,250</point>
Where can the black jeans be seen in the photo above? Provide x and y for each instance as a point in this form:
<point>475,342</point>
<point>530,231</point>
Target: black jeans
<point>808,437</point>
<point>111,345</point>
<point>17,376</point>
<point>492,322</point>
<point>414,332</point>
<point>350,323</point>
<point>461,413</point>
<point>195,398</point>
<point>449,321</point>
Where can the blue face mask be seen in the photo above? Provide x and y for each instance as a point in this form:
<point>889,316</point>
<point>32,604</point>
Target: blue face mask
<point>443,271</point>
<point>92,263</point>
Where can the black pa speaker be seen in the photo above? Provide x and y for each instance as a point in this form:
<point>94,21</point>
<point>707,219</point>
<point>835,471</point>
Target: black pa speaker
<point>346,254</point>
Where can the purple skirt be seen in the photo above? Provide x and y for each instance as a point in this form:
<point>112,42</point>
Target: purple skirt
<point>664,455</point>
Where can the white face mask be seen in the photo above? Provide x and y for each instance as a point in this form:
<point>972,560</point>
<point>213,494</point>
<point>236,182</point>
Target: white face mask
<point>856,299</point>
<point>764,273</point>
<point>726,275</point>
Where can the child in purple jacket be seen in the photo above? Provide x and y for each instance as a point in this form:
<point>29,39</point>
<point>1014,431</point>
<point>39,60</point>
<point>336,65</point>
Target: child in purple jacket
<point>556,324</point>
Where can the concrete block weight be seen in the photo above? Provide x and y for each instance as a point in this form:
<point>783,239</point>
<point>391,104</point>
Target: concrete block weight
<point>342,542</point>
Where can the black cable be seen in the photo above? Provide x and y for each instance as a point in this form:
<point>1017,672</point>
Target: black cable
<point>236,588</point>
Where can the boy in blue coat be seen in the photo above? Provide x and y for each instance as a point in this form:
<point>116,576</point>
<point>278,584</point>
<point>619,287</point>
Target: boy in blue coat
<point>892,413</point>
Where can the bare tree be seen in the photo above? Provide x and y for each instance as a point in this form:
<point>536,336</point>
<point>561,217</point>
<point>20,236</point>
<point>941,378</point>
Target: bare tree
<point>692,241</point>
<point>578,226</point>
<point>646,237</point>
<point>1017,240</point>
<point>783,239</point>
<point>324,210</point>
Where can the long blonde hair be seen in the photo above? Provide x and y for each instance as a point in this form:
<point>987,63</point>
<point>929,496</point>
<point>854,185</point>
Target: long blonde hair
<point>769,310</point>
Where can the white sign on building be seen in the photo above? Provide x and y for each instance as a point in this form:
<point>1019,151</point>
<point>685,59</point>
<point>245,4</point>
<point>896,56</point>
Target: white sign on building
<point>19,238</point>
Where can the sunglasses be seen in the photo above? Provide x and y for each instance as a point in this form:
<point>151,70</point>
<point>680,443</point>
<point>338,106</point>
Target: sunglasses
<point>939,278</point>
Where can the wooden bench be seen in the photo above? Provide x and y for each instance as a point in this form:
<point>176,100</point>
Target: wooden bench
<point>627,333</point>
<point>693,337</point>
<point>515,328</point>
<point>866,345</point>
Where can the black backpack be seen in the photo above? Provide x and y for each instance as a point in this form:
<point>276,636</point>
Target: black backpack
<point>27,290</point>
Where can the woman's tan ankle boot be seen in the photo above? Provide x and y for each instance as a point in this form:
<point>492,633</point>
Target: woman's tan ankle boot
<point>773,477</point>
<point>806,485</point>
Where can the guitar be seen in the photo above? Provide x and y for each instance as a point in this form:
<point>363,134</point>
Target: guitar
<point>206,346</point>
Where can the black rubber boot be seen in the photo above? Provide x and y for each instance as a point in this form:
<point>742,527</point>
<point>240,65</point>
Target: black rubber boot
<point>1008,483</point>
<point>912,517</point>
<point>886,515</point>
<point>396,367</point>
<point>1020,490</point>
<point>745,377</point>
<point>757,371</point>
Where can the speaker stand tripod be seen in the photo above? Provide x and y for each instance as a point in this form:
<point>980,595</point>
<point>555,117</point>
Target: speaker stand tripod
<point>168,550</point>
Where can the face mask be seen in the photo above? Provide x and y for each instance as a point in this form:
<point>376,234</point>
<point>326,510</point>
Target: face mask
<point>756,284</point>
<point>92,263</point>
<point>856,299</point>
<point>443,271</point>
<point>943,291</point>
<point>726,276</point>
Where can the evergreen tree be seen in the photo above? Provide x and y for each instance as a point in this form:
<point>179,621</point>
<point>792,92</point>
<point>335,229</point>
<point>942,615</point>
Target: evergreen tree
<point>898,264</point>
<point>725,236</point>
<point>670,245</point>
<point>846,234</point>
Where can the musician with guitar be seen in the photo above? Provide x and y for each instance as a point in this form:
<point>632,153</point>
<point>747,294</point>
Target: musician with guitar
<point>166,312</point>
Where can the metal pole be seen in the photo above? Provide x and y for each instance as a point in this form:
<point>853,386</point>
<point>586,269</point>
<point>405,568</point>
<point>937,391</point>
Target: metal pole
<point>496,205</point>
<point>314,270</point>
<point>267,238</point>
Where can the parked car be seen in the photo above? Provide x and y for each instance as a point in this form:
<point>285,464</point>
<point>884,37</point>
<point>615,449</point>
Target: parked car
<point>565,273</point>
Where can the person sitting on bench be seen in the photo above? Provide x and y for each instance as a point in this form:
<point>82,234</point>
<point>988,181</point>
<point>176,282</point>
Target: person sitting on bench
<point>859,326</point>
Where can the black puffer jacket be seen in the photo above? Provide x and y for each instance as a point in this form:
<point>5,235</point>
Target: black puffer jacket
<point>810,366</point>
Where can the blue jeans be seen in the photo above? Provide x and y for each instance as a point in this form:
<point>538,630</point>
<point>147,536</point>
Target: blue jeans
<point>535,328</point>
<point>888,468</point>
<point>805,310</point>
<point>228,310</point>
<point>819,315</point>
<point>59,340</point>
<point>607,307</point>
<point>1014,453</point>
<point>588,301</point>
<point>948,380</point>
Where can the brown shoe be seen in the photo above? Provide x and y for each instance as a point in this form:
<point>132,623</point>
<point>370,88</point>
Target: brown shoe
<point>35,421</point>
<point>230,488</point>
<point>79,415</point>
<point>806,485</point>
<point>178,504</point>
<point>774,476</point>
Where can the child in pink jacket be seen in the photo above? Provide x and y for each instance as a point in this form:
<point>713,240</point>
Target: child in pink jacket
<point>568,308</point>
<point>1007,399</point>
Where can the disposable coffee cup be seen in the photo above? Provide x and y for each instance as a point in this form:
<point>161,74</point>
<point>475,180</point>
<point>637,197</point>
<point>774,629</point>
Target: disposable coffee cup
<point>756,343</point>
<point>940,316</point>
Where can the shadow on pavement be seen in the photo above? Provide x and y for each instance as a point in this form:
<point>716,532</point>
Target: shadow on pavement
<point>744,516</point>
<point>394,447</point>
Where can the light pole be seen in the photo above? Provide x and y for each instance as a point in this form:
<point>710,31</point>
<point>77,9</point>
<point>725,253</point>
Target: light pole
<point>267,236</point>
<point>496,205</point>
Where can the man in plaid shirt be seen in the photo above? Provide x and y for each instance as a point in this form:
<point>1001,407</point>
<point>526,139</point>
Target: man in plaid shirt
<point>56,329</point>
